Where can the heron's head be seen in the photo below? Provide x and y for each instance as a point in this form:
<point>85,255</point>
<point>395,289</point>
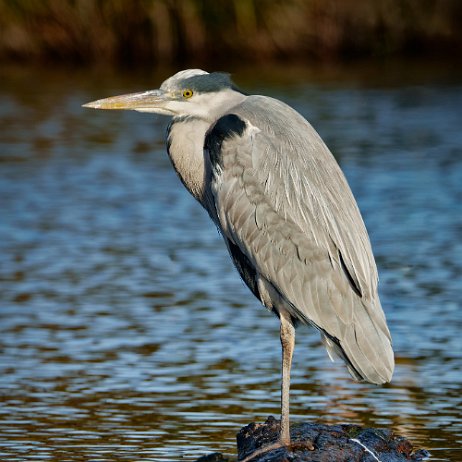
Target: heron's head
<point>193,92</point>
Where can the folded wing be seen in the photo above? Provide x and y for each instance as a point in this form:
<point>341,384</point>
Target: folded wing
<point>289,217</point>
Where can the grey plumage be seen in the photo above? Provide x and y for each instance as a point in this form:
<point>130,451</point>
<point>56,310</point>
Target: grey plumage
<point>282,199</point>
<point>285,210</point>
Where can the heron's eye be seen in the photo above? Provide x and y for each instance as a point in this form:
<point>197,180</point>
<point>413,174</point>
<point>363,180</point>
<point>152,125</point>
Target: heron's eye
<point>187,93</point>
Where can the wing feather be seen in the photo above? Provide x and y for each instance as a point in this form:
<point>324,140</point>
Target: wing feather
<point>279,195</point>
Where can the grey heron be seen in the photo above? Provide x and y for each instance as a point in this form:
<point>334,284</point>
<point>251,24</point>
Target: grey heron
<point>284,208</point>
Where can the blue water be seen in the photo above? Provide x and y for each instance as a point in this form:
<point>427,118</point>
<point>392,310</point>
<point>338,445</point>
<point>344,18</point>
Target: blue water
<point>125,332</point>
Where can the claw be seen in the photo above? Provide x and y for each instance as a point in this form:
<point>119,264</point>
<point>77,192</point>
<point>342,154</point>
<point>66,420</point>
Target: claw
<point>293,446</point>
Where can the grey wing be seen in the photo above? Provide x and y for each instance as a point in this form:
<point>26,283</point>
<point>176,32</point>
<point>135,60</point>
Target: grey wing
<point>280,199</point>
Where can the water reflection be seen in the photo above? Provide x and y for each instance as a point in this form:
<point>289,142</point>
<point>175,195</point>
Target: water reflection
<point>125,332</point>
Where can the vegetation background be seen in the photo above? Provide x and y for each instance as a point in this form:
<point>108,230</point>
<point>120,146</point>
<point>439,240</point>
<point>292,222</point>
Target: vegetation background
<point>162,32</point>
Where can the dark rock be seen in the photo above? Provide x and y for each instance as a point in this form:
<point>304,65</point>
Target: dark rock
<point>332,443</point>
<point>213,457</point>
<point>312,442</point>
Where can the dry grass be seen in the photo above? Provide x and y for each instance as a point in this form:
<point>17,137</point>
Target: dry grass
<point>167,31</point>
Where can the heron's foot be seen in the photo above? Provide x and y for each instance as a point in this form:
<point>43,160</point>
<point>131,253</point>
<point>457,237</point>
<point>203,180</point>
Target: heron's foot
<point>290,446</point>
<point>258,452</point>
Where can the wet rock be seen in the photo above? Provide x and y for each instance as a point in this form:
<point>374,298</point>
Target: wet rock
<point>332,443</point>
<point>312,442</point>
<point>213,457</point>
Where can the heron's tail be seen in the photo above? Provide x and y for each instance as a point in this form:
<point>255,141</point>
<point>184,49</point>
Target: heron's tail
<point>366,346</point>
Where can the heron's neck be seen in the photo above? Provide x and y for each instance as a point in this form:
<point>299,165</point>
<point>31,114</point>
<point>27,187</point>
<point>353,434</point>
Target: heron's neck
<point>186,136</point>
<point>185,144</point>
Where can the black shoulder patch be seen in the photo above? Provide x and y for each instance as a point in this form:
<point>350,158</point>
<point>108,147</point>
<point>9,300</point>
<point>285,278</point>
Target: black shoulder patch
<point>229,125</point>
<point>225,127</point>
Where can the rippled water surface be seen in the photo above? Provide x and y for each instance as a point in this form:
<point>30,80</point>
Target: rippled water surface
<point>126,334</point>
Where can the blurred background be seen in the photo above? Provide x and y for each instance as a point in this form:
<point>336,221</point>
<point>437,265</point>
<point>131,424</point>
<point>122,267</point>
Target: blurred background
<point>125,332</point>
<point>179,31</point>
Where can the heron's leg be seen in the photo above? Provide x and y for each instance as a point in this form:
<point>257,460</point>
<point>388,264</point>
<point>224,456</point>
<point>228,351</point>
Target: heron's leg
<point>287,343</point>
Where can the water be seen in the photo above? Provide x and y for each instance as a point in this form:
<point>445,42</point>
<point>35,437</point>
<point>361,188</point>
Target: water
<point>125,333</point>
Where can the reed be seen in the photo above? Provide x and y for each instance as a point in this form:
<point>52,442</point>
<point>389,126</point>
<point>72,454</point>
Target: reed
<point>171,31</point>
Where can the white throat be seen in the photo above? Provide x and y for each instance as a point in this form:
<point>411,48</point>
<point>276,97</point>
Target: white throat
<point>186,137</point>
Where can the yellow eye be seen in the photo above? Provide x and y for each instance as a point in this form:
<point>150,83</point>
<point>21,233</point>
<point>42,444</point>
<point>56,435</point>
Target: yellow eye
<point>187,93</point>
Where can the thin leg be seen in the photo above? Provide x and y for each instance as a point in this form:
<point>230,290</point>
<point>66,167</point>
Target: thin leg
<point>287,343</point>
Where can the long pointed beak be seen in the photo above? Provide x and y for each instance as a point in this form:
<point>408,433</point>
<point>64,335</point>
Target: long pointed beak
<point>145,101</point>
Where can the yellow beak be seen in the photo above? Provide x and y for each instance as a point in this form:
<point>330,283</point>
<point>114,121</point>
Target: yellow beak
<point>146,101</point>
